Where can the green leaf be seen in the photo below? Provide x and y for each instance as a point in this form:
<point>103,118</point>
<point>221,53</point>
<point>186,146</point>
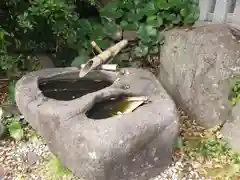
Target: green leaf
<point>110,28</point>
<point>124,64</point>
<point>148,9</point>
<point>85,26</point>
<point>138,3</point>
<point>169,25</point>
<point>140,12</point>
<point>163,5</point>
<point>86,45</point>
<point>151,30</point>
<point>173,18</point>
<point>146,33</point>
<point>98,31</point>
<point>154,50</point>
<point>56,166</point>
<point>121,57</point>
<point>111,10</point>
<point>128,4</point>
<point>161,38</point>
<point>133,65</point>
<point>15,130</point>
<point>103,43</point>
<point>1,36</point>
<point>82,59</point>
<point>128,26</point>
<point>195,2</point>
<point>113,5</point>
<point>155,21</point>
<point>178,3</point>
<point>179,143</point>
<point>141,50</point>
<point>143,36</point>
<point>146,30</point>
<point>191,18</point>
<point>176,20</point>
<point>133,16</point>
<point>184,12</point>
<point>11,89</point>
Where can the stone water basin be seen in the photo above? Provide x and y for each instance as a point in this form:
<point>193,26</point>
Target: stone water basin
<point>75,118</point>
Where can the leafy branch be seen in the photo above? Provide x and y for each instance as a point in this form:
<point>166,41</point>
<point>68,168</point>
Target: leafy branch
<point>56,26</point>
<point>149,18</point>
<point>236,92</point>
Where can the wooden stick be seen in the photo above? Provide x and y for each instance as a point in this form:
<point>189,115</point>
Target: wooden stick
<point>98,49</point>
<point>103,57</point>
<point>134,103</point>
<point>4,79</point>
<point>95,46</point>
<point>132,106</point>
<point>108,67</point>
<point>138,98</point>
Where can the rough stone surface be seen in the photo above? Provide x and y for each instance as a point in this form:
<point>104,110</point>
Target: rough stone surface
<point>32,158</point>
<point>133,146</point>
<point>1,173</point>
<point>196,68</point>
<point>130,35</point>
<point>231,129</point>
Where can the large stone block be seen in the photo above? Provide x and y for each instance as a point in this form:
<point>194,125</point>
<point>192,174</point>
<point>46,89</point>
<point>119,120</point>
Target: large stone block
<point>231,129</point>
<point>137,145</point>
<point>197,67</point>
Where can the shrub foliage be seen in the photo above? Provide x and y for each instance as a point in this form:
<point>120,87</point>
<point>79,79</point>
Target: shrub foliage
<point>66,28</point>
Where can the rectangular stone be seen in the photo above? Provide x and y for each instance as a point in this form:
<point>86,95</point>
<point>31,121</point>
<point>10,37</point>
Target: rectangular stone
<point>221,10</point>
<point>236,13</point>
<point>205,8</point>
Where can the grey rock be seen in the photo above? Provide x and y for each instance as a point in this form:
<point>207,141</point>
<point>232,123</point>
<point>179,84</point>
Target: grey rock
<point>130,35</point>
<point>196,68</point>
<point>231,129</point>
<point>2,173</point>
<point>2,129</point>
<point>117,36</point>
<point>31,158</point>
<point>122,57</point>
<point>9,110</point>
<point>136,145</point>
<point>45,61</point>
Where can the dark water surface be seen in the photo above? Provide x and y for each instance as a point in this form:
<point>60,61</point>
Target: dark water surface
<point>108,108</point>
<point>69,89</point>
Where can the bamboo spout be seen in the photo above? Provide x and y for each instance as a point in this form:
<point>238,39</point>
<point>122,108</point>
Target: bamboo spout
<point>102,58</point>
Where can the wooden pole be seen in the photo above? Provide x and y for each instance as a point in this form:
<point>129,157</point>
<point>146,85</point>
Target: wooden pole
<point>102,58</point>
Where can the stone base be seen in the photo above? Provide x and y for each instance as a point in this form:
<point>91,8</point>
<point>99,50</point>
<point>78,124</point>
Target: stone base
<point>136,145</point>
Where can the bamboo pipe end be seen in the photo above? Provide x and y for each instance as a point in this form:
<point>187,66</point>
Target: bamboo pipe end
<point>86,69</point>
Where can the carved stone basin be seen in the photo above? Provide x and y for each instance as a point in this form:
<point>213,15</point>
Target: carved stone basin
<point>72,115</point>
